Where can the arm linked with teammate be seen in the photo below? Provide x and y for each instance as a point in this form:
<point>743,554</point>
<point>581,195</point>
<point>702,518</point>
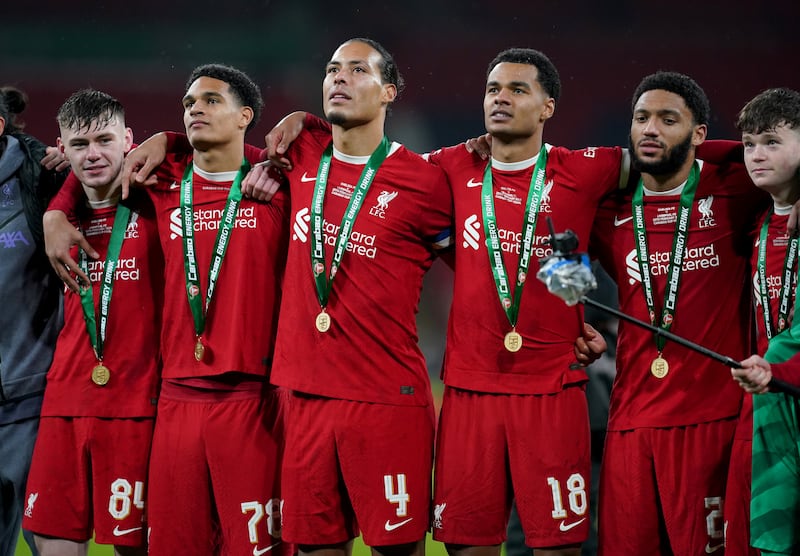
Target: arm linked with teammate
<point>60,235</point>
<point>589,346</point>
<point>279,138</point>
<point>141,162</point>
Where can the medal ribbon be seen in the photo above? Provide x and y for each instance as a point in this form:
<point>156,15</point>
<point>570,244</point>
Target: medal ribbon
<point>786,276</point>
<point>98,337</point>
<point>325,285</point>
<point>511,307</point>
<point>679,244</point>
<point>227,222</point>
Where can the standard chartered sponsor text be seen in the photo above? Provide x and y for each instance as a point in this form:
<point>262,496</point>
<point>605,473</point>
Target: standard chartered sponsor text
<point>696,258</point>
<point>127,269</point>
<point>209,219</point>
<point>774,284</point>
<point>359,244</point>
<point>510,243</point>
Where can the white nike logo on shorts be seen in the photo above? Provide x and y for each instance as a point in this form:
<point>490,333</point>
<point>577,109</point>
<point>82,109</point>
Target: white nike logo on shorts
<point>710,549</point>
<point>305,177</point>
<point>392,526</point>
<point>564,527</point>
<point>620,221</point>
<point>473,183</point>
<point>119,532</point>
<point>259,551</point>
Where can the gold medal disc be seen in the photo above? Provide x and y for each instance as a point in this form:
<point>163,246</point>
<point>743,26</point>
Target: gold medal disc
<point>513,341</point>
<point>100,374</point>
<point>659,367</point>
<point>199,350</point>
<point>323,321</point>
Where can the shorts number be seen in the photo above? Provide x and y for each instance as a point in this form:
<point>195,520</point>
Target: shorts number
<point>119,504</point>
<point>714,517</point>
<point>576,487</point>
<point>272,509</point>
<point>400,497</point>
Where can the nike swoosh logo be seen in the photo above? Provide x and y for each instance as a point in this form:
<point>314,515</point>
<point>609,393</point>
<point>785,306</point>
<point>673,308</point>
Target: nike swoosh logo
<point>711,549</point>
<point>392,526</point>
<point>564,527</point>
<point>259,551</point>
<point>473,183</point>
<point>305,178</point>
<point>174,185</point>
<point>120,532</point>
<point>620,222</point>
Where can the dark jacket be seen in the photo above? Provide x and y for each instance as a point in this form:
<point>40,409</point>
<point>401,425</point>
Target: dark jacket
<point>30,292</point>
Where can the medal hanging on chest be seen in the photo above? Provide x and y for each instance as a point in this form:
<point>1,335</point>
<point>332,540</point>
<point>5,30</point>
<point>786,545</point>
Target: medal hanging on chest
<point>224,232</point>
<point>101,374</point>
<point>324,281</point>
<point>510,301</point>
<point>659,368</point>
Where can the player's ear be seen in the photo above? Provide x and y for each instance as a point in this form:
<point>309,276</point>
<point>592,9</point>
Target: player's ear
<point>389,93</point>
<point>128,139</point>
<point>549,109</point>
<point>699,134</point>
<point>245,117</point>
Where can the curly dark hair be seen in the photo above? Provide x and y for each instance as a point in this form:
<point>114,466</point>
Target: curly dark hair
<point>12,103</point>
<point>683,86</point>
<point>243,88</point>
<point>770,109</point>
<point>89,108</point>
<point>547,73</point>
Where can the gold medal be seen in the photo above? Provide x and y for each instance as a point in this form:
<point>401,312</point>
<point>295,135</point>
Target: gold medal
<point>100,374</point>
<point>659,367</point>
<point>513,341</point>
<point>199,350</point>
<point>323,321</point>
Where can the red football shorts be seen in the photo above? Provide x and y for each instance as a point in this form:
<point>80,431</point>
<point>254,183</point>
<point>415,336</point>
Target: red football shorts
<point>89,474</point>
<point>215,473</point>
<point>495,447</point>
<point>353,465</point>
<point>662,490</point>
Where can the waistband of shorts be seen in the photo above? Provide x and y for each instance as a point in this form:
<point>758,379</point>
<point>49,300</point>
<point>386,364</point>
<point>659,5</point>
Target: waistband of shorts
<point>211,389</point>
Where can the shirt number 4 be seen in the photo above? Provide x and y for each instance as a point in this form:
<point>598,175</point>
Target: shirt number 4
<point>399,497</point>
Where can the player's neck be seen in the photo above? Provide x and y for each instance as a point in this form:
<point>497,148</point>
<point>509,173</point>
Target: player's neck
<point>223,158</point>
<point>516,150</point>
<point>359,140</point>
<point>665,182</point>
<point>103,192</point>
<point>786,195</point>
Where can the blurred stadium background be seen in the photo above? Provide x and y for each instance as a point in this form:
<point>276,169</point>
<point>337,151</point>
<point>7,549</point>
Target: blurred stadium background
<point>142,52</point>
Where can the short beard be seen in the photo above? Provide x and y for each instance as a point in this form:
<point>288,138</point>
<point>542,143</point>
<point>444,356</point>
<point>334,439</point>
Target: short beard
<point>336,119</point>
<point>675,158</point>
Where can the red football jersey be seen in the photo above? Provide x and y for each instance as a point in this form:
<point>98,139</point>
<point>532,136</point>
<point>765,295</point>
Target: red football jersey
<point>777,242</point>
<point>240,323</point>
<point>714,307</point>
<point>131,347</point>
<point>776,251</point>
<point>370,352</point>
<point>475,357</point>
